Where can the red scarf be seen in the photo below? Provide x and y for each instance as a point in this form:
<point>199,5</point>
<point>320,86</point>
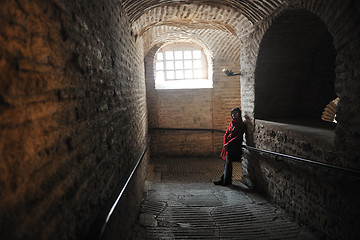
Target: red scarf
<point>233,136</point>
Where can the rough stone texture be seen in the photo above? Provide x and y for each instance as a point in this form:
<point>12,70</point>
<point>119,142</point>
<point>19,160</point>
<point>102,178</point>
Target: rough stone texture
<point>252,10</point>
<point>218,28</point>
<point>72,114</point>
<point>315,196</point>
<point>73,107</point>
<point>339,211</point>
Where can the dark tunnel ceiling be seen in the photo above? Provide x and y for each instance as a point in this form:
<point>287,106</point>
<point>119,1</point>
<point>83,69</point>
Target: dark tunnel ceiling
<point>218,24</point>
<point>253,10</point>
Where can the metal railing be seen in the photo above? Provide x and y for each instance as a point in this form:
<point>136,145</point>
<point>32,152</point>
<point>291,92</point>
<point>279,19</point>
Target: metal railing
<point>99,225</point>
<point>293,158</point>
<point>307,161</point>
<point>189,129</point>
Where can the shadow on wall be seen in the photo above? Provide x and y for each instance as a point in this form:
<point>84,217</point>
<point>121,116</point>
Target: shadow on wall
<point>294,81</point>
<point>295,73</point>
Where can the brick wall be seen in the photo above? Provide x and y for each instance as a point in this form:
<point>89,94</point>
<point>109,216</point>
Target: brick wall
<point>191,108</point>
<point>322,199</point>
<point>73,109</point>
<point>72,114</point>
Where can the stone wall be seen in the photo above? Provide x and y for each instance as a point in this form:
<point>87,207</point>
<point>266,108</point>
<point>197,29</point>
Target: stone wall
<point>73,109</point>
<point>320,198</point>
<point>73,114</point>
<point>191,108</point>
<point>303,190</point>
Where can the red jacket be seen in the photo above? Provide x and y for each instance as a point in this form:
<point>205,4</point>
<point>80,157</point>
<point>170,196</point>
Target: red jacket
<point>233,138</point>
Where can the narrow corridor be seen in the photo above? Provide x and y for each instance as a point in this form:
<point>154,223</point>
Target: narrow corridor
<point>91,91</point>
<point>181,202</point>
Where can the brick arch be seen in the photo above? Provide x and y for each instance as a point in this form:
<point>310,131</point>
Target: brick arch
<point>341,21</point>
<point>220,27</point>
<point>150,53</point>
<point>252,10</point>
<point>222,45</point>
<point>174,38</point>
<point>295,70</point>
<point>249,55</point>
<point>174,43</point>
<point>152,95</point>
<point>341,31</point>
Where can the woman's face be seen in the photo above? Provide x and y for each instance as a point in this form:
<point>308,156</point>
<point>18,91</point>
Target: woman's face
<point>235,114</point>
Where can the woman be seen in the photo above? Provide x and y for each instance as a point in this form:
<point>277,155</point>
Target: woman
<point>232,149</point>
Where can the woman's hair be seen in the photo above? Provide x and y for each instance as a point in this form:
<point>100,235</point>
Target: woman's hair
<point>236,109</point>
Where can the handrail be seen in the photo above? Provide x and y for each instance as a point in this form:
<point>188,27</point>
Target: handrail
<point>99,225</point>
<point>304,160</point>
<point>297,159</point>
<point>189,129</point>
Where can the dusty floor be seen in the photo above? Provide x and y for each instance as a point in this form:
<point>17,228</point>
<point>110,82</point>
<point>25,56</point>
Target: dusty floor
<point>181,202</point>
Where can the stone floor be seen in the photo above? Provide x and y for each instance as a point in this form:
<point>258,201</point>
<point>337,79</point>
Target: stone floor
<point>181,202</point>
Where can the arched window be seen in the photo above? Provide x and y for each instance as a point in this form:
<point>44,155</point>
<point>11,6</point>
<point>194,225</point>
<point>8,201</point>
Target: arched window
<point>181,66</point>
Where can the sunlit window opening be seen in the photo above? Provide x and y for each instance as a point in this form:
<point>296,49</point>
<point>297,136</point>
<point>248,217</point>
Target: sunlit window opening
<point>181,65</point>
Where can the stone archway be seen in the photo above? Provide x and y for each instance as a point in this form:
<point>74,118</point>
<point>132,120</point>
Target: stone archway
<point>295,70</point>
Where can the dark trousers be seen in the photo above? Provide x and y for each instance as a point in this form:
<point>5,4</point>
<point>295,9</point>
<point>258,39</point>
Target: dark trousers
<point>228,169</point>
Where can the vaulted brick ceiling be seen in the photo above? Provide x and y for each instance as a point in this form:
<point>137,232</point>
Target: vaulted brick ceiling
<point>218,24</point>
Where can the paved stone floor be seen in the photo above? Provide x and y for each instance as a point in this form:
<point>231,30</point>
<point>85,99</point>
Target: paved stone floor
<point>181,202</point>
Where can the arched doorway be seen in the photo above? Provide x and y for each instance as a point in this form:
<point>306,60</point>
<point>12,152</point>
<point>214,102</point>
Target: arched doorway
<point>295,73</point>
